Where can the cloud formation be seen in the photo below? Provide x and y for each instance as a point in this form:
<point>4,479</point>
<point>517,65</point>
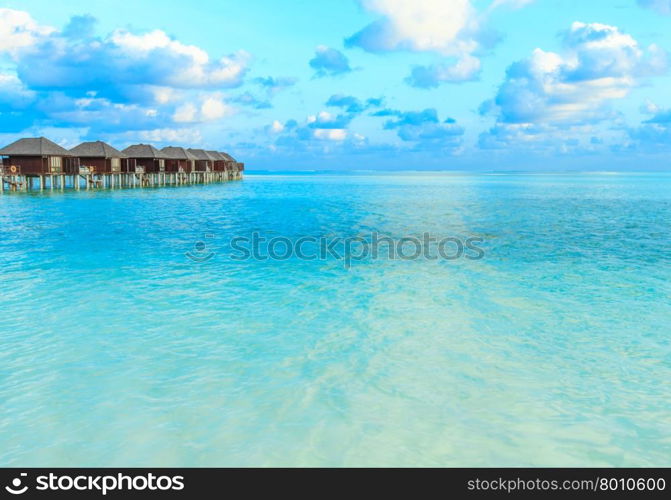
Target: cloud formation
<point>329,62</point>
<point>124,84</point>
<point>426,77</point>
<point>13,93</point>
<point>598,64</point>
<point>419,132</point>
<point>443,26</point>
<point>352,104</point>
<point>119,63</point>
<point>273,85</point>
<point>210,107</point>
<point>325,125</point>
<point>453,30</point>
<point>123,81</point>
<point>18,30</point>
<point>653,134</point>
<point>250,100</point>
<point>424,127</point>
<point>318,135</point>
<point>324,132</point>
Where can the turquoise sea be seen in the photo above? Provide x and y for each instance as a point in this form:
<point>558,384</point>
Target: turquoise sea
<point>552,350</point>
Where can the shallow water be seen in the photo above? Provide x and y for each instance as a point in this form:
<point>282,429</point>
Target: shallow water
<point>552,350</point>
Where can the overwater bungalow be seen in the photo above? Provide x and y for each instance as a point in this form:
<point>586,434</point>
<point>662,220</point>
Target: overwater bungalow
<point>37,156</point>
<point>179,160</point>
<point>98,157</point>
<point>204,162</point>
<point>233,168</point>
<point>145,159</point>
<point>37,162</point>
<point>230,162</point>
<point>234,164</point>
<point>219,162</point>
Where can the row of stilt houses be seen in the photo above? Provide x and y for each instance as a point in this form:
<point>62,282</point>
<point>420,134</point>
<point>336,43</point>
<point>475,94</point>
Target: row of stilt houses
<point>38,163</point>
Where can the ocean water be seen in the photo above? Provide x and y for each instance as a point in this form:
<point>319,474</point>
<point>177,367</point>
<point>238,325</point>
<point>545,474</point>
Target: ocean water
<point>554,349</point>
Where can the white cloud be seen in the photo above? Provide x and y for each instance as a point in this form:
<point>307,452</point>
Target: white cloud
<point>197,69</point>
<point>421,25</point>
<point>329,62</point>
<point>323,117</point>
<point>120,63</point>
<point>326,120</point>
<point>318,131</point>
<point>453,30</point>
<point>13,92</point>
<point>165,95</point>
<point>424,128</point>
<point>599,64</point>
<point>186,113</point>
<point>515,4</point>
<point>18,30</point>
<point>112,83</point>
<point>276,127</point>
<point>557,98</point>
<point>169,136</point>
<point>156,39</point>
<point>649,108</point>
<point>333,134</point>
<point>101,113</point>
<point>211,107</point>
<point>465,69</point>
<point>654,134</point>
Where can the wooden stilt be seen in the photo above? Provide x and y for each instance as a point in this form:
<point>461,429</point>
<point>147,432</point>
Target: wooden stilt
<point>113,180</point>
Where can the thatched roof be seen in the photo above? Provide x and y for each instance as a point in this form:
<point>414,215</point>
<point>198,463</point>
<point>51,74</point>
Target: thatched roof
<point>144,151</point>
<point>226,156</point>
<point>96,149</point>
<point>34,146</point>
<point>200,154</point>
<point>216,155</point>
<point>177,153</point>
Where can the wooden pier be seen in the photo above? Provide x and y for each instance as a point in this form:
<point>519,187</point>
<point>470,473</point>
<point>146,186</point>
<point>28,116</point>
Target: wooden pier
<point>89,181</point>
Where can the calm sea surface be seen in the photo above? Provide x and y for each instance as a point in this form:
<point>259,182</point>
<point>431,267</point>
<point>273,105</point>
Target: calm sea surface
<point>554,349</point>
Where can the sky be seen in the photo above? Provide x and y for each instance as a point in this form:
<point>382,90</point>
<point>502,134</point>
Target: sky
<point>348,84</point>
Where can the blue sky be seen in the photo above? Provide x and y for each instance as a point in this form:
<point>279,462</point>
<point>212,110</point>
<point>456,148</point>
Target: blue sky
<point>349,84</point>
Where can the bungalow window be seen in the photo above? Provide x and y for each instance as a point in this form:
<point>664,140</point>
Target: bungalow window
<point>116,164</point>
<point>161,165</point>
<point>55,163</point>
